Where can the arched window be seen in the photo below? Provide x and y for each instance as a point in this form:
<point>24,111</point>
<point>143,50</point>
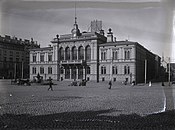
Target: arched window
<point>61,54</point>
<point>67,53</point>
<point>88,52</point>
<point>74,53</point>
<point>80,53</point>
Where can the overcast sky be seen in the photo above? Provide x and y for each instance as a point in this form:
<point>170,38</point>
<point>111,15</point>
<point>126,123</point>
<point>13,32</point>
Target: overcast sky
<point>149,22</point>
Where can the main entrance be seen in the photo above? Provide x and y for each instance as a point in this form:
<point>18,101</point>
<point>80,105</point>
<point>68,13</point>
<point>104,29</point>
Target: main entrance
<point>74,72</point>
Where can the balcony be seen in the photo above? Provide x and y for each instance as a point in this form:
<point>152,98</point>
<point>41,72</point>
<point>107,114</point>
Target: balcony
<point>71,62</point>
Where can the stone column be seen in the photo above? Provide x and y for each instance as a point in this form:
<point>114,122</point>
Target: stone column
<point>77,72</point>
<point>70,72</point>
<point>84,72</point>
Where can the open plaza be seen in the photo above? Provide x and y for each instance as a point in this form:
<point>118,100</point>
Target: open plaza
<point>36,100</point>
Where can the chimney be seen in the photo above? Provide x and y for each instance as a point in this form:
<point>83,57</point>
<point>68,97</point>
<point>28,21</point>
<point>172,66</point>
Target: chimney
<point>110,35</point>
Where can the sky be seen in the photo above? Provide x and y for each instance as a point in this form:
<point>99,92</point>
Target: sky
<point>149,22</point>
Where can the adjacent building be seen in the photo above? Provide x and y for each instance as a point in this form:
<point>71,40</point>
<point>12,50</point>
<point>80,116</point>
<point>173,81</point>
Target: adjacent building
<point>14,57</point>
<point>94,56</point>
<point>171,71</point>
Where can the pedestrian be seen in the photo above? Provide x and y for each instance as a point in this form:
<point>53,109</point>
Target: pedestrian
<point>50,84</point>
<point>110,84</point>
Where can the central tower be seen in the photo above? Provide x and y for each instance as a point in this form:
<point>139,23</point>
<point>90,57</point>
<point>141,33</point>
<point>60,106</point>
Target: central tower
<point>75,31</point>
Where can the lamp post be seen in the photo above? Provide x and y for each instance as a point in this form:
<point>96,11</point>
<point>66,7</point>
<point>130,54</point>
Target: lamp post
<point>169,72</point>
<point>15,70</point>
<point>130,78</point>
<point>22,69</point>
<point>145,70</point>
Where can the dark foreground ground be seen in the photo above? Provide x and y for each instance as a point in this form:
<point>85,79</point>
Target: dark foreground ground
<point>89,120</point>
<point>93,107</point>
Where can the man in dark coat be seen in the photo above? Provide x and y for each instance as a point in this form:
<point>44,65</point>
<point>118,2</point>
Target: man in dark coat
<point>50,84</point>
<point>110,84</point>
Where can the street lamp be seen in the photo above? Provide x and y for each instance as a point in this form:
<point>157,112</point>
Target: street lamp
<point>169,72</point>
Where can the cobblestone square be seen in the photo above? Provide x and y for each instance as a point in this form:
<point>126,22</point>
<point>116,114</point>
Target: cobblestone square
<point>71,103</point>
<point>123,99</point>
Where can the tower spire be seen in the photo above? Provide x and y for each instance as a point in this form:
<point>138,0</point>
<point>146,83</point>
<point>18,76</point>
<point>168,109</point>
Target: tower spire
<point>75,31</point>
<point>75,13</point>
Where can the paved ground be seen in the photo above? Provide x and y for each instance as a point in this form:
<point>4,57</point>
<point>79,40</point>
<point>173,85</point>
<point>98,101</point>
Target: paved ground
<point>94,100</point>
<point>37,100</point>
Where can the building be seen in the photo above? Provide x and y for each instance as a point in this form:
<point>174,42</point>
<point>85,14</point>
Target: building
<point>171,71</point>
<point>94,56</point>
<point>14,57</point>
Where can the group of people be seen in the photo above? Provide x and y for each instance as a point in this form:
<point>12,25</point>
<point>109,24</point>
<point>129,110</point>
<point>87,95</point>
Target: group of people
<point>51,83</point>
<point>125,83</point>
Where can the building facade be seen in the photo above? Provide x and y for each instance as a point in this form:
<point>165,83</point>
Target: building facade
<point>94,56</point>
<point>171,71</point>
<point>14,57</point>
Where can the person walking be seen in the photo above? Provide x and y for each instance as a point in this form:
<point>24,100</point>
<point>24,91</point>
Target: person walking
<point>110,84</point>
<point>50,84</point>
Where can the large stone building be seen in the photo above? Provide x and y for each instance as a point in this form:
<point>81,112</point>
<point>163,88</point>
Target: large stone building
<point>14,57</point>
<point>94,56</point>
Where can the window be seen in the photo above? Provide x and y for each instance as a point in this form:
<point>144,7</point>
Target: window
<point>50,57</point>
<point>42,57</point>
<point>4,52</point>
<point>11,53</point>
<point>74,72</point>
<point>41,70</point>
<point>17,54</point>
<point>67,53</point>
<point>114,70</point>
<point>103,70</point>
<point>5,59</point>
<point>127,54</point>
<point>61,54</point>
<point>11,59</point>
<point>80,53</point>
<point>17,59</point>
<point>80,73</point>
<point>115,55</point>
<point>88,53</point>
<point>74,53</point>
<point>49,70</point>
<point>103,55</point>
<point>88,70</point>
<point>33,70</point>
<point>34,58</point>
<point>126,70</point>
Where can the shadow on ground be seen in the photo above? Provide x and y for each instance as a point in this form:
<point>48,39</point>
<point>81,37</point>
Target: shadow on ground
<point>89,120</point>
